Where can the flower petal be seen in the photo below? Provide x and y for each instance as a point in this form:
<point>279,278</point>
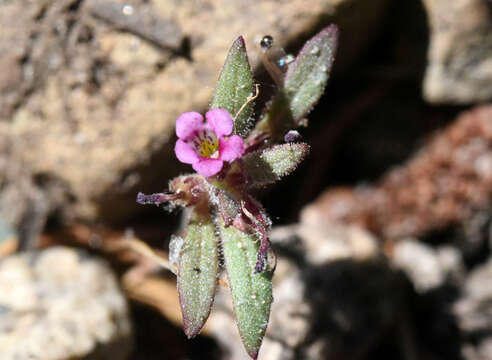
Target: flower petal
<point>220,121</point>
<point>231,149</point>
<point>208,167</point>
<point>185,153</point>
<point>188,123</point>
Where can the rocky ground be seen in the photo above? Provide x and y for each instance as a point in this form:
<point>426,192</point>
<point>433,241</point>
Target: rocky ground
<point>383,235</point>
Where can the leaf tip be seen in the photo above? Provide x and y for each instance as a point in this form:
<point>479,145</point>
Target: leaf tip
<point>332,29</point>
<point>253,356</point>
<point>191,328</point>
<point>190,331</point>
<point>332,32</point>
<point>239,42</point>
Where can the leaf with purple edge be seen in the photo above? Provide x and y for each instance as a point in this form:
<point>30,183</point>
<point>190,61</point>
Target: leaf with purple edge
<point>251,291</point>
<point>307,76</point>
<point>234,86</point>
<point>197,273</point>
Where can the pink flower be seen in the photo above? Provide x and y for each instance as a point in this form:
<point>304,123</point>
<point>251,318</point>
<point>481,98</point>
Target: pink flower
<point>205,145</point>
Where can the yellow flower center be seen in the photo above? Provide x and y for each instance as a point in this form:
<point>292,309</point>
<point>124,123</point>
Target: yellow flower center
<point>206,144</point>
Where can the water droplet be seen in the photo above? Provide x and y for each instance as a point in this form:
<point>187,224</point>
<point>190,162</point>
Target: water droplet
<point>266,42</point>
<point>315,50</point>
<point>292,136</point>
<point>285,60</point>
<point>253,296</point>
<point>324,68</point>
<point>128,10</point>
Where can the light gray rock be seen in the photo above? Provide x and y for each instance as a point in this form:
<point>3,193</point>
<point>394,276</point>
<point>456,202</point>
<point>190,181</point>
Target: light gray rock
<point>328,242</point>
<point>474,311</point>
<point>60,304</point>
<point>459,66</point>
<point>426,267</point>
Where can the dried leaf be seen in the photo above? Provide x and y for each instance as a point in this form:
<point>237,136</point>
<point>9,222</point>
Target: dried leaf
<point>251,292</point>
<point>234,86</point>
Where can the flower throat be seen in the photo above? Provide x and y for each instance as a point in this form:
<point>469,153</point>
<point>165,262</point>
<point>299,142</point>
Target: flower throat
<point>206,143</point>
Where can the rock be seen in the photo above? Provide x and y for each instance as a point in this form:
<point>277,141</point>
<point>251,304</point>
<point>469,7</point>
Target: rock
<point>445,183</point>
<point>9,240</point>
<point>61,304</point>
<point>426,267</point>
<point>329,242</point>
<point>97,97</point>
<point>473,311</point>
<point>420,264</point>
<point>472,237</point>
<point>452,263</point>
<point>481,352</point>
<point>459,66</point>
<point>326,304</point>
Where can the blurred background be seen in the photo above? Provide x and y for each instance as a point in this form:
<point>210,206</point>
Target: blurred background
<point>383,235</point>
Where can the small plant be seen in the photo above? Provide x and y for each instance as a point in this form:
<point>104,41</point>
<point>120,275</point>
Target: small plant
<point>232,155</point>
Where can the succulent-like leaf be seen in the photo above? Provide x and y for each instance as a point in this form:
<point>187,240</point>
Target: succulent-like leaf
<point>234,86</point>
<point>197,273</point>
<point>251,292</point>
<point>270,165</point>
<point>304,83</point>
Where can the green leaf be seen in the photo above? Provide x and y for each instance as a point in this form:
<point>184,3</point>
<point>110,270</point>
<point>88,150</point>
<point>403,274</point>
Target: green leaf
<point>251,292</point>
<point>234,86</point>
<point>197,273</point>
<point>270,165</point>
<point>304,83</point>
<point>307,76</point>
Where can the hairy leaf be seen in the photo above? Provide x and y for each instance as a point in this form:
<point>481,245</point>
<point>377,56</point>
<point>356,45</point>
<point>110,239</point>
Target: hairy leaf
<point>197,273</point>
<point>270,165</point>
<point>251,292</point>
<point>304,83</point>
<point>234,86</point>
<point>307,76</point>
